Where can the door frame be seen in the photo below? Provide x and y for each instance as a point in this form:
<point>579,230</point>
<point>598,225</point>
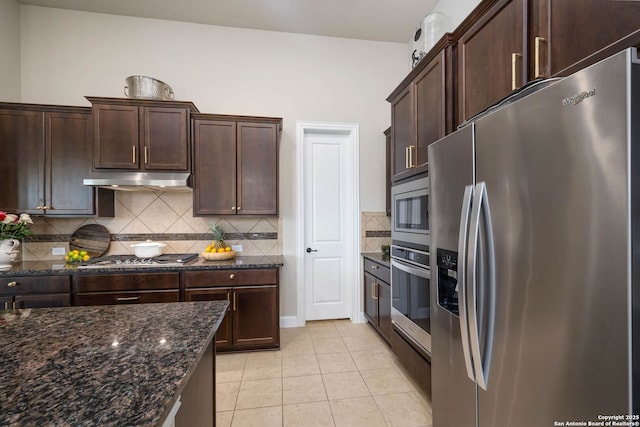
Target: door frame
<point>352,130</point>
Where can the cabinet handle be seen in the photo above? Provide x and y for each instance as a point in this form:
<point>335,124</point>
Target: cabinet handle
<point>514,70</point>
<point>133,154</point>
<point>231,276</point>
<point>146,154</point>
<point>235,307</point>
<point>12,284</point>
<point>39,208</point>
<point>239,208</point>
<point>536,71</point>
<point>46,208</point>
<point>374,267</point>
<point>127,298</point>
<point>374,294</point>
<point>411,148</point>
<point>233,208</point>
<point>406,158</point>
<point>229,299</point>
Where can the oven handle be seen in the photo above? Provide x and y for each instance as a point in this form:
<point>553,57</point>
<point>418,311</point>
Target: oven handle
<point>416,271</point>
<point>462,278</point>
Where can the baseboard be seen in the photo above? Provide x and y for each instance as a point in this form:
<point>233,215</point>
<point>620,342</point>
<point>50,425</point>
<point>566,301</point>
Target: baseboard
<point>289,322</point>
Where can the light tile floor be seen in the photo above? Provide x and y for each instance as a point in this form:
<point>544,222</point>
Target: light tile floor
<point>329,373</point>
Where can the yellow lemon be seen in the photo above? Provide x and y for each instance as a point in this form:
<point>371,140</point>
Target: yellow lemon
<point>208,249</point>
<point>227,249</point>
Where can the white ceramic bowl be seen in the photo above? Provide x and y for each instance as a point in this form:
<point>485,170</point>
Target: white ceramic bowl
<point>148,249</point>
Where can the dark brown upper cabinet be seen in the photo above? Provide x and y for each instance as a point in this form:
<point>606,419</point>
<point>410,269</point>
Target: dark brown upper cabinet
<point>421,111</point>
<point>42,174</point>
<point>504,44</point>
<point>492,58</point>
<point>146,135</point>
<point>235,165</point>
<point>569,35</point>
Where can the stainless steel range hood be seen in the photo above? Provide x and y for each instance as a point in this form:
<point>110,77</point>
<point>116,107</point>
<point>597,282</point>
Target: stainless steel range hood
<point>138,181</point>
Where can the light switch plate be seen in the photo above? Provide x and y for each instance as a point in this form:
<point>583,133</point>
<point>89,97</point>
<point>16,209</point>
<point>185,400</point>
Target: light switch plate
<point>237,248</point>
<point>57,251</point>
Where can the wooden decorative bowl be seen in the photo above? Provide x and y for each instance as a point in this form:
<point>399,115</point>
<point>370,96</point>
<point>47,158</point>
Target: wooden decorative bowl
<point>218,256</point>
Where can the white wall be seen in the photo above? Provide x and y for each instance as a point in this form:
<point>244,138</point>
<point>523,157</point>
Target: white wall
<point>67,54</point>
<point>455,10</point>
<point>10,51</point>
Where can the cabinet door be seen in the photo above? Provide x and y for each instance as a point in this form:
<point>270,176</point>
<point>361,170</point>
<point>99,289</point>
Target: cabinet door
<point>22,161</point>
<point>370,301</point>
<point>255,320</point>
<point>223,335</point>
<point>572,32</point>
<point>402,134</point>
<point>68,154</point>
<point>166,139</point>
<point>384,309</point>
<point>429,90</point>
<point>257,169</point>
<point>44,300</point>
<point>116,136</point>
<point>214,190</point>
<point>387,135</point>
<point>114,298</point>
<point>491,58</point>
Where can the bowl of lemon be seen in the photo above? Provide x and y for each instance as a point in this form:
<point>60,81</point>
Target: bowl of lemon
<point>217,250</point>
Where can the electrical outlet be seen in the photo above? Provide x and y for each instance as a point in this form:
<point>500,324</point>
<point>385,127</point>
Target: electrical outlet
<point>237,248</point>
<point>58,251</point>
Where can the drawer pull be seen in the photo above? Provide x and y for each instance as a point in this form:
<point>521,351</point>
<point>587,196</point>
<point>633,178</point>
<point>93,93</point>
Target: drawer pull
<point>127,298</point>
<point>374,267</point>
<point>232,276</point>
<point>12,284</point>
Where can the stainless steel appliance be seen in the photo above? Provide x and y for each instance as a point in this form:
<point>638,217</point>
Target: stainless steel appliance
<point>128,261</point>
<point>410,278</point>
<point>410,214</point>
<point>410,294</point>
<point>536,228</point>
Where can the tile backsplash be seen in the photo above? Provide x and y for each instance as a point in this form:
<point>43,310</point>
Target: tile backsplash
<point>159,216</point>
<point>376,231</point>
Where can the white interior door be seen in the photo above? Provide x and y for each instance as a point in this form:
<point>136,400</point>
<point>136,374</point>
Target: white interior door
<point>329,235</point>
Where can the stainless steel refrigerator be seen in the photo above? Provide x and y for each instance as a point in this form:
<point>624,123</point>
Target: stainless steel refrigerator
<point>535,212</point>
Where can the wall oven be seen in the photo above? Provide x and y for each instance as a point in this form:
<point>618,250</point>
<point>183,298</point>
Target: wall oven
<point>410,214</point>
<point>410,294</point>
<point>410,274</point>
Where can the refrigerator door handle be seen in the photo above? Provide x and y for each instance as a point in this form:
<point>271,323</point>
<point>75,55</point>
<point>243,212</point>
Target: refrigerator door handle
<point>481,207</point>
<point>463,238</point>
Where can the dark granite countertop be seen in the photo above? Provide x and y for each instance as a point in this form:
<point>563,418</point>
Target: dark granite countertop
<point>53,267</point>
<point>101,365</point>
<point>377,257</point>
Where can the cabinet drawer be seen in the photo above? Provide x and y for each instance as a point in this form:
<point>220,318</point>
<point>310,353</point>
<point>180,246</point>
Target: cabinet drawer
<point>29,285</point>
<point>207,279</point>
<point>112,298</point>
<point>380,271</point>
<point>125,282</point>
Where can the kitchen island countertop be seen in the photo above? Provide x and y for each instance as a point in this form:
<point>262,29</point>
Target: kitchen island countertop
<point>101,365</point>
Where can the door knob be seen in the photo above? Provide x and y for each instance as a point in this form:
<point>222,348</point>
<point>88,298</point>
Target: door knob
<point>309,250</point>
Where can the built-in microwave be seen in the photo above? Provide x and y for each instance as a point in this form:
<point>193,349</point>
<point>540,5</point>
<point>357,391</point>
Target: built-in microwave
<point>410,214</point>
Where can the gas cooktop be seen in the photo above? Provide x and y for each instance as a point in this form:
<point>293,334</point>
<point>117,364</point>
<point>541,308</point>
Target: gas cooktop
<point>123,261</point>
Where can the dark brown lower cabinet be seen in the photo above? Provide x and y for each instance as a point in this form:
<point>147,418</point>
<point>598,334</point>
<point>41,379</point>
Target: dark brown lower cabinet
<point>252,320</point>
<point>416,361</point>
<point>35,292</point>
<point>133,288</point>
<point>377,297</point>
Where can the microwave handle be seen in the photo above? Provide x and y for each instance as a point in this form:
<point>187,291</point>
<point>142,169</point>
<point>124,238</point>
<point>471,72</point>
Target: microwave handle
<point>421,272</point>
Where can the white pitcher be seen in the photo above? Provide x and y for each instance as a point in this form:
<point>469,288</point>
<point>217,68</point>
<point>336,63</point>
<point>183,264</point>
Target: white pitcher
<point>9,245</point>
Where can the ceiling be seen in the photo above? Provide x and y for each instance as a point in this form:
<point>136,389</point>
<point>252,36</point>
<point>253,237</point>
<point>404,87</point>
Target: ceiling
<point>378,20</point>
